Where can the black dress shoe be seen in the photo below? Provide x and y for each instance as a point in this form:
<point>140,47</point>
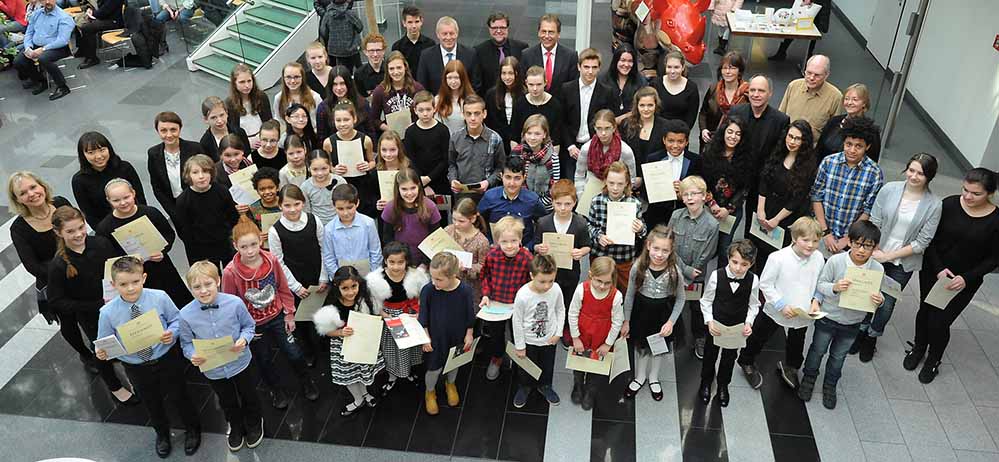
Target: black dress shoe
<point>630,392</point>
<point>163,445</point>
<point>58,93</point>
<point>929,371</point>
<point>279,399</point>
<point>309,390</point>
<point>722,395</point>
<point>705,393</point>
<point>913,356</point>
<point>192,440</point>
<point>88,63</point>
<point>39,88</point>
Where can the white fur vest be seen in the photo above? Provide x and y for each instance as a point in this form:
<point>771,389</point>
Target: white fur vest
<point>327,319</point>
<point>413,282</point>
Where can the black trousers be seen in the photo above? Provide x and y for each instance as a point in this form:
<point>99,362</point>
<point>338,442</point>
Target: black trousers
<point>158,379</point>
<point>220,253</point>
<point>724,368</point>
<point>89,35</point>
<point>544,357</point>
<point>69,327</point>
<point>238,398</point>
<point>932,323</point>
<point>88,321</point>
<point>763,328</point>
<point>697,326</point>
<point>494,344</point>
<point>26,68</point>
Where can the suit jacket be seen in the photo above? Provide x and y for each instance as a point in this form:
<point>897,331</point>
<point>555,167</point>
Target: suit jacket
<point>430,72</point>
<point>211,149</point>
<point>158,178</point>
<point>565,69</point>
<point>487,57</point>
<point>602,98</point>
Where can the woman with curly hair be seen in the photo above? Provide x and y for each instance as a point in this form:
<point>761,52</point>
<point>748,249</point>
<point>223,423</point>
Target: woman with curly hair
<point>726,164</point>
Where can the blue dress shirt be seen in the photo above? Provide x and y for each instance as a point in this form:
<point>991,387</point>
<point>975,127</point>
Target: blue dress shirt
<point>118,312</point>
<point>48,29</point>
<point>359,241</point>
<point>526,206</point>
<point>230,318</point>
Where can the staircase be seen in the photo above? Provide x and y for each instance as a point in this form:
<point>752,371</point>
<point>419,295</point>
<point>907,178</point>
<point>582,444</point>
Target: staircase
<point>264,34</point>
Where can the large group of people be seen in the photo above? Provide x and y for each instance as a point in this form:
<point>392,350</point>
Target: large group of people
<point>552,148</point>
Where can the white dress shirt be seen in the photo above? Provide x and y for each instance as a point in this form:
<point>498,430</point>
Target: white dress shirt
<point>173,167</point>
<point>789,279</point>
<point>708,298</point>
<point>676,163</point>
<point>585,95</point>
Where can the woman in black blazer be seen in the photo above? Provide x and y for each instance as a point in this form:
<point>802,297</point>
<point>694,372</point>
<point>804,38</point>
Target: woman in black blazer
<point>856,102</point>
<point>643,130</point>
<point>99,164</point>
<point>168,126</point>
<point>497,101</point>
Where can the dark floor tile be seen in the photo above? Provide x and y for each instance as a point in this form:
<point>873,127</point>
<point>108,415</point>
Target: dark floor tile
<point>395,416</point>
<point>536,402</point>
<point>704,445</point>
<point>350,430</point>
<point>55,352</point>
<point>610,403</point>
<point>688,375</point>
<point>74,395</point>
<point>130,415</point>
<point>199,395</point>
<point>434,434</point>
<point>306,419</point>
<point>785,412</point>
<point>17,314</point>
<point>794,448</point>
<point>523,437</point>
<point>22,389</point>
<point>612,441</point>
<point>8,257</point>
<point>483,407</point>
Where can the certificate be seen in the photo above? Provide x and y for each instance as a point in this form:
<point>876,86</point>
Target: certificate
<point>693,291</point>
<point>141,332</point>
<point>350,153</point>
<point>464,258</point>
<point>863,284</point>
<point>111,346</point>
<point>244,178</point>
<point>891,287</point>
<point>560,248</point>
<point>362,266</point>
<point>399,121</point>
<point>939,295</point>
<point>386,184</point>
<point>774,238</point>
<point>243,197</point>
<point>496,311</point>
<point>140,237</point>
<point>525,363</point>
<point>805,314</point>
<point>658,179</point>
<point>362,347</point>
<point>216,351</point>
<point>438,241</point>
<point>657,344</point>
<point>456,357</point>
<point>110,261</point>
<point>267,220</point>
<point>620,362</point>
<point>406,331</point>
<point>620,216</point>
<point>726,225</point>
<point>731,336</point>
<point>309,305</point>
<point>593,187</point>
<point>588,361</point>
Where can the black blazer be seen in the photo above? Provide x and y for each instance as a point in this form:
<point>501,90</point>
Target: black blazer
<point>158,178</point>
<point>211,149</point>
<point>496,118</point>
<point>430,74</point>
<point>487,57</point>
<point>655,141</point>
<point>602,98</point>
<point>580,239</point>
<point>565,70</point>
<point>691,162</point>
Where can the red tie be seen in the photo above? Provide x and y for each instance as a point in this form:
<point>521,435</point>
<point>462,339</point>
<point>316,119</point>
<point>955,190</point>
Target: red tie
<point>549,64</point>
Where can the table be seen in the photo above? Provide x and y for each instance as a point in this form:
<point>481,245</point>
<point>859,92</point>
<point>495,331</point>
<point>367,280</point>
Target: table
<point>746,29</point>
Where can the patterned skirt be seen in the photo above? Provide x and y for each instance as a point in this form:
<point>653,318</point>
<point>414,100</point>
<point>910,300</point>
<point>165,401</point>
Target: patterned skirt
<point>345,373</point>
<point>398,362</point>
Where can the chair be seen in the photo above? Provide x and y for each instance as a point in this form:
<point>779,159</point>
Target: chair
<point>113,41</point>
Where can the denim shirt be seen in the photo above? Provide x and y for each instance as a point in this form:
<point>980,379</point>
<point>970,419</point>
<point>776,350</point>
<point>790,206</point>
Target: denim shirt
<point>696,241</point>
<point>118,312</point>
<point>48,29</point>
<point>230,318</point>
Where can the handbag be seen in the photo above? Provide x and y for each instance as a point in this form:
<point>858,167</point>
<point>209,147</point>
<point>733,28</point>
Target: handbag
<point>44,308</point>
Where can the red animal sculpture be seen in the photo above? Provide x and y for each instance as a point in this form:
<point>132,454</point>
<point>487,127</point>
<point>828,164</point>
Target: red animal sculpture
<point>682,20</point>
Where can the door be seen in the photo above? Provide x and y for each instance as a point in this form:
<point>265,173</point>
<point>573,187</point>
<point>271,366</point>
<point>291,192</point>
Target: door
<point>901,37</point>
<point>886,25</point>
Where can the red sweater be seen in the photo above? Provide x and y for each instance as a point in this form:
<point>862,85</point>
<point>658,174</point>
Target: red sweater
<point>238,278</point>
<point>15,10</point>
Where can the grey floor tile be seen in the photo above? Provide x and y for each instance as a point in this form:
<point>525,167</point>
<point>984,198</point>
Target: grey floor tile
<point>835,435</point>
<point>657,427</point>
<point>746,434</point>
<point>886,452</point>
<point>919,424</point>
<point>989,341</point>
<point>964,427</point>
<point>974,456</point>
<point>947,388</point>
<point>973,367</point>
<point>897,382</point>
<point>382,455</point>
<point>567,419</point>
<point>927,453</point>
<point>990,416</point>
<point>869,407</point>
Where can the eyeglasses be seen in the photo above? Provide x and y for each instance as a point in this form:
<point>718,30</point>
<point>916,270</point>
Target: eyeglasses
<point>864,246</point>
<point>692,194</point>
<point>547,32</point>
<point>376,50</point>
<point>499,27</point>
<point>267,141</point>
<point>298,116</point>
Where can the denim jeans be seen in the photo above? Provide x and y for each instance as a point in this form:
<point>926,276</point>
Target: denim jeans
<point>271,332</point>
<point>835,338</point>
<point>874,324</point>
<point>183,17</point>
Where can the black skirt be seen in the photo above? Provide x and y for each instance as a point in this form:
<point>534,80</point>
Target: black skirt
<point>647,317</point>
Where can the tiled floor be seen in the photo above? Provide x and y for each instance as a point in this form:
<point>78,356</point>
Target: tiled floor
<point>47,399</point>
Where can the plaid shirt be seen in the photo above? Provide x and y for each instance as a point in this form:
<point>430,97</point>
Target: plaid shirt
<point>845,192</point>
<point>597,223</point>
<point>503,276</point>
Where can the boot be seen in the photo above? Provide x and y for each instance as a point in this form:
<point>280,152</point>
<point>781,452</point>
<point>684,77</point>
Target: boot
<point>577,388</point>
<point>722,45</point>
<point>452,394</point>
<point>431,401</point>
<point>913,356</point>
<point>722,395</point>
<point>806,386</point>
<point>781,52</point>
<point>929,371</point>
<point>868,348</point>
<point>829,396</point>
<point>857,342</point>
<point>589,394</point>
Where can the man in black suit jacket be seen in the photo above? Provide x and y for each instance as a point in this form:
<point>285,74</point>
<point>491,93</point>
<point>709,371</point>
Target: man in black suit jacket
<point>168,125</point>
<point>487,53</point>
<point>564,65</point>
<point>430,74</point>
<point>585,94</point>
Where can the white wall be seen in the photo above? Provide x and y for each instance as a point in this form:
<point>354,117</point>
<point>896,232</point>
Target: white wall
<point>860,12</point>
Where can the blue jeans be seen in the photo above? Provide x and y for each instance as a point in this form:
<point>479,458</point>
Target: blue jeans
<point>183,17</point>
<point>874,324</point>
<point>835,338</point>
<point>271,332</point>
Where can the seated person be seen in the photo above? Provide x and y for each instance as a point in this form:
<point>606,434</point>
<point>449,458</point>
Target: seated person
<point>178,10</point>
<point>45,42</point>
<point>107,16</point>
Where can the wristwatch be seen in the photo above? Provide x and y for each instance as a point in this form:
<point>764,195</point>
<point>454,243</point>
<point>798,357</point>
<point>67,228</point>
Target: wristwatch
<point>826,232</point>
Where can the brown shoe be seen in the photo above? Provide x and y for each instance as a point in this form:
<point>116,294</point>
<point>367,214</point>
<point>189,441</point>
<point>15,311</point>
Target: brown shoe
<point>431,400</point>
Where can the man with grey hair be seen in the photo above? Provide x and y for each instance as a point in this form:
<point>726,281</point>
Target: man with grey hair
<point>433,59</point>
<point>813,98</point>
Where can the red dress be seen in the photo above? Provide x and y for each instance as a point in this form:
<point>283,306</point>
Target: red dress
<point>595,318</point>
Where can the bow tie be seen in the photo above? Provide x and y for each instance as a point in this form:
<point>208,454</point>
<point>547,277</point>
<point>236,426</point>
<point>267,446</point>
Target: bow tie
<point>212,306</point>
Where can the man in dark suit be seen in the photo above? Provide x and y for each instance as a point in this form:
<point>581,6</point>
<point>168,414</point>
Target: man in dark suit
<point>683,163</point>
<point>490,53</point>
<point>433,59</point>
<point>165,161</point>
<point>414,42</point>
<point>581,99</point>
<point>559,62</point>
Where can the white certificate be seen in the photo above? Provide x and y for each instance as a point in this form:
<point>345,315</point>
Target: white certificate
<point>657,344</point>
<point>362,346</point>
<point>438,241</point>
<point>774,238</point>
<point>267,220</point>
<point>386,184</point>
<point>693,291</point>
<point>399,121</point>
<point>309,305</point>
<point>731,337</point>
<point>350,153</point>
<point>620,216</point>
<point>406,331</point>
<point>111,346</point>
<point>525,363</point>
<point>560,248</point>
<point>593,187</point>
<point>140,237</point>
<point>891,287</point>
<point>464,258</point>
<point>863,284</point>
<point>726,225</point>
<point>620,360</point>
<point>241,196</point>
<point>658,179</point>
<point>939,295</point>
<point>805,314</point>
<point>457,357</point>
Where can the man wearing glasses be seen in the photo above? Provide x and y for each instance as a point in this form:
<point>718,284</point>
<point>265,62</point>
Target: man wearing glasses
<point>813,98</point>
<point>370,75</point>
<point>491,52</point>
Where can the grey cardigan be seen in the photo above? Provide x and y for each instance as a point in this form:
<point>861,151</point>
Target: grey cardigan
<point>924,223</point>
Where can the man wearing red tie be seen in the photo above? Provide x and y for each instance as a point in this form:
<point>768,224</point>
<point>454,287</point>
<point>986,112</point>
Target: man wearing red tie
<point>558,61</point>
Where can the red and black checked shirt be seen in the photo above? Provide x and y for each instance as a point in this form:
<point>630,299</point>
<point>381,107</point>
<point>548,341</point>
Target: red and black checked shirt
<point>503,276</point>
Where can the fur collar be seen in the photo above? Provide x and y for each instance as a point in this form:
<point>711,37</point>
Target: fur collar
<point>378,284</point>
<point>328,319</point>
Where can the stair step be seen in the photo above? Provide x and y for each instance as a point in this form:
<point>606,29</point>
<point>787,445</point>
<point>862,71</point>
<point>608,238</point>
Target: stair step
<point>262,33</point>
<point>304,6</point>
<point>276,16</point>
<point>218,64</point>
<point>251,52</point>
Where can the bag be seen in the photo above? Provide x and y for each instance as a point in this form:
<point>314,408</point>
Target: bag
<point>44,308</point>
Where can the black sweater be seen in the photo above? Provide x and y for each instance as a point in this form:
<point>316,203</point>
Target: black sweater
<point>211,148</point>
<point>85,292</point>
<point>966,245</point>
<point>552,110</point>
<point>427,149</point>
<point>35,249</point>
<point>206,217</point>
<point>682,106</point>
<point>88,189</point>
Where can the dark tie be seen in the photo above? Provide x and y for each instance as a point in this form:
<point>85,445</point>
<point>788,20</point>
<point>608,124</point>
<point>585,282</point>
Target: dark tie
<point>502,55</point>
<point>212,306</point>
<point>450,56</point>
<point>146,354</point>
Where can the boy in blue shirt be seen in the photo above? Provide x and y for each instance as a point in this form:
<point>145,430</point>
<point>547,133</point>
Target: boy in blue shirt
<point>213,315</point>
<point>155,371</point>
<point>351,238</point>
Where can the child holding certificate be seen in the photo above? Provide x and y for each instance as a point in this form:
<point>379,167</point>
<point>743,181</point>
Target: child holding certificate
<point>395,291</point>
<point>390,156</point>
<point>595,318</point>
<point>256,276</point>
<point>538,316</point>
<point>157,370</point>
<point>410,216</point>
<point>351,238</point>
<point>265,183</point>
<point>205,214</point>
<point>318,188</point>
<point>344,119</point>
<point>652,305</point>
<point>506,270</point>
<point>348,292</point>
<point>232,158</point>
<point>468,229</point>
<point>427,142</point>
<point>617,188</point>
<point>447,314</point>
<point>837,331</point>
<point>211,316</point>
<point>731,297</point>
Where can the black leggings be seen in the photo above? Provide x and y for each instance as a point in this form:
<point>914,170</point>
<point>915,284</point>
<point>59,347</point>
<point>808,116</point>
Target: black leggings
<point>932,323</point>
<point>88,321</point>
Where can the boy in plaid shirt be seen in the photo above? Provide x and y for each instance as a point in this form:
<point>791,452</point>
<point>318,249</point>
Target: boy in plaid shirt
<point>617,188</point>
<point>506,269</point>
